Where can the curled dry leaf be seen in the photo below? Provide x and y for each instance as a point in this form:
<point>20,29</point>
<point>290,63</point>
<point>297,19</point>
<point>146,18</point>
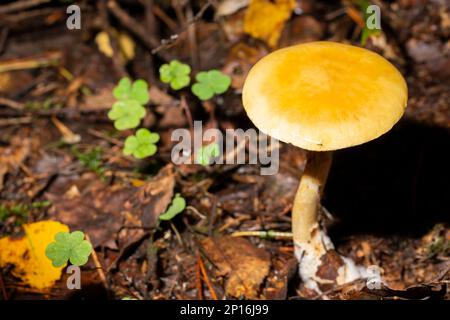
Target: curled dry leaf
<point>245,266</point>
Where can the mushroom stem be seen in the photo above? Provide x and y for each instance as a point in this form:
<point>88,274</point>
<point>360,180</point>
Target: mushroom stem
<point>307,199</point>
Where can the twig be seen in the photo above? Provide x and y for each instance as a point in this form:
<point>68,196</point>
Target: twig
<point>21,5</point>
<point>193,209</point>
<point>153,28</point>
<point>184,105</point>
<point>14,121</point>
<point>168,42</point>
<point>98,266</point>
<point>177,234</point>
<point>39,61</point>
<point>164,17</point>
<point>133,26</point>
<point>117,62</point>
<point>263,234</point>
<point>101,135</point>
<point>192,39</point>
<point>198,278</point>
<point>68,136</point>
<point>207,280</point>
<point>11,104</point>
<point>355,16</point>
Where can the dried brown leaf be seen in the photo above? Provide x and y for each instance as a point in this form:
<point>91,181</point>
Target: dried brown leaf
<point>245,265</point>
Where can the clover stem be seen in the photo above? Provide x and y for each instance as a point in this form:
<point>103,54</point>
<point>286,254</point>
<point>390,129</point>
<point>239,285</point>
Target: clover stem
<point>307,199</point>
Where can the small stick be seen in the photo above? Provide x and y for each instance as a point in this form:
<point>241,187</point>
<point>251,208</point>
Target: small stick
<point>39,61</point>
<point>14,121</point>
<point>157,11</point>
<point>186,109</point>
<point>98,266</point>
<point>194,210</point>
<point>199,278</point>
<point>192,39</point>
<point>68,136</point>
<point>101,135</point>
<point>263,234</point>
<point>132,25</point>
<point>207,280</point>
<point>177,234</point>
<point>355,16</point>
<point>168,42</point>
<point>11,104</point>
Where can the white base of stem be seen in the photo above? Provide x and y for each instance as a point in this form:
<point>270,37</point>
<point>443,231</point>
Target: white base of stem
<point>313,260</point>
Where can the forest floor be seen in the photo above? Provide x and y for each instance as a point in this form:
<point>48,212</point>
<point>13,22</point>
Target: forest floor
<point>389,199</point>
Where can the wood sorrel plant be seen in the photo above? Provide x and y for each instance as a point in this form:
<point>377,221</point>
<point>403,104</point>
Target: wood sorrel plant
<point>127,113</point>
<point>69,247</point>
<point>209,83</point>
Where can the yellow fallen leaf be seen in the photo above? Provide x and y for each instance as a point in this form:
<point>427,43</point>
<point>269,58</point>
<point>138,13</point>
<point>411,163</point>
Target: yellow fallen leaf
<point>103,44</point>
<point>126,45</point>
<point>27,254</point>
<point>264,19</point>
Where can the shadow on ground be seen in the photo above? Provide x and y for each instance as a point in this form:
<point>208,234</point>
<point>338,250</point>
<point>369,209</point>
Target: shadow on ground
<point>399,183</point>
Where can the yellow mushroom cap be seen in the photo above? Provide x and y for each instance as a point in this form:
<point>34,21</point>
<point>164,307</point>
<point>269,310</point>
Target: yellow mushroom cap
<point>324,95</point>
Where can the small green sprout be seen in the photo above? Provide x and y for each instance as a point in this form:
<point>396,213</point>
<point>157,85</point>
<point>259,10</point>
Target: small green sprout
<point>128,111</point>
<point>41,204</point>
<point>4,213</point>
<point>69,247</point>
<point>175,73</point>
<point>178,204</point>
<point>210,83</point>
<point>206,153</point>
<point>142,144</point>
<point>90,159</point>
<point>19,211</point>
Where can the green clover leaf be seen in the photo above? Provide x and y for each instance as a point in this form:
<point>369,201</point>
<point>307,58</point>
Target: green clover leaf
<point>142,144</point>
<point>126,114</point>
<point>123,89</point>
<point>137,91</point>
<point>69,247</point>
<point>128,111</point>
<point>175,73</point>
<point>206,153</point>
<point>178,204</point>
<point>210,83</point>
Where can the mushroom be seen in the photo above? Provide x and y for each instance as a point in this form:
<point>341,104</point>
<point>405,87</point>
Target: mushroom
<point>322,96</point>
